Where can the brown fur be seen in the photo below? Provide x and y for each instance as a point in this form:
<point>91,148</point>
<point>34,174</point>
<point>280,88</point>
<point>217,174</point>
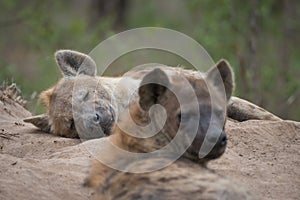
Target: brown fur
<point>45,98</point>
<point>93,113</point>
<point>180,180</point>
<point>105,95</point>
<point>185,178</point>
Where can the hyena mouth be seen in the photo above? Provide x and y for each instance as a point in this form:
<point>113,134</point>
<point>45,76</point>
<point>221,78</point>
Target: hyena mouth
<point>216,154</point>
<point>217,150</point>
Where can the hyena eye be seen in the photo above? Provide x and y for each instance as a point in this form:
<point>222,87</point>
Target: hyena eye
<point>179,117</point>
<point>72,125</point>
<point>224,124</point>
<point>182,117</point>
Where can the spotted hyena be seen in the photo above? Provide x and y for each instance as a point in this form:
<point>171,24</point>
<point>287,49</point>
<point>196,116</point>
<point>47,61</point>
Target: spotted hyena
<point>186,178</point>
<point>81,101</point>
<point>84,103</point>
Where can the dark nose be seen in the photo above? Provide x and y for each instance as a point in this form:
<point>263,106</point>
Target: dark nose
<point>223,139</point>
<point>219,148</point>
<point>105,118</point>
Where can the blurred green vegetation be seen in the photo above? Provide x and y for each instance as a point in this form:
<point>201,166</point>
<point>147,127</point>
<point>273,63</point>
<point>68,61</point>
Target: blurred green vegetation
<point>259,38</point>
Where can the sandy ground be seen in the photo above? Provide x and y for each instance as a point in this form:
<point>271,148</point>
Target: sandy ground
<point>263,156</point>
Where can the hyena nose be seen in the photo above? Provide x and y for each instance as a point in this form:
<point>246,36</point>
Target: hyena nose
<point>219,147</point>
<point>105,118</point>
<point>222,139</point>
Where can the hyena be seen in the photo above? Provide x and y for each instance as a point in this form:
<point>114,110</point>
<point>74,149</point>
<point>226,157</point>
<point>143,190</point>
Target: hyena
<point>187,177</point>
<point>98,100</point>
<point>81,102</point>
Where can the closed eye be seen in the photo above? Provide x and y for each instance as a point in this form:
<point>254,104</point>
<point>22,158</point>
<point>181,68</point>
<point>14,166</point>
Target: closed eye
<point>72,125</point>
<point>183,117</point>
<point>224,124</point>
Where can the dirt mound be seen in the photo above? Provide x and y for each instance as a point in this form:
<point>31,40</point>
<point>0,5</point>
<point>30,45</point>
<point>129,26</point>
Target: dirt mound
<point>262,155</point>
<point>35,165</point>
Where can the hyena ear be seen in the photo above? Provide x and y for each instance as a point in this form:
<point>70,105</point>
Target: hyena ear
<point>40,121</point>
<point>222,74</point>
<point>153,85</point>
<point>73,63</point>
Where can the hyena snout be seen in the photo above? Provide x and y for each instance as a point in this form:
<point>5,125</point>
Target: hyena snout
<point>219,147</point>
<point>222,139</point>
<point>209,146</point>
<point>105,118</point>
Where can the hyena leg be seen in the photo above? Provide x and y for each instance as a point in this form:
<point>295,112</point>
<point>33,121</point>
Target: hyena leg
<point>242,110</point>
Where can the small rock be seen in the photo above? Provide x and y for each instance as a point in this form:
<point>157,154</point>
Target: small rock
<point>19,124</point>
<point>14,163</point>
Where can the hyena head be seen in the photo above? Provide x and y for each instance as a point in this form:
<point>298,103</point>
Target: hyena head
<point>80,103</point>
<point>199,117</point>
